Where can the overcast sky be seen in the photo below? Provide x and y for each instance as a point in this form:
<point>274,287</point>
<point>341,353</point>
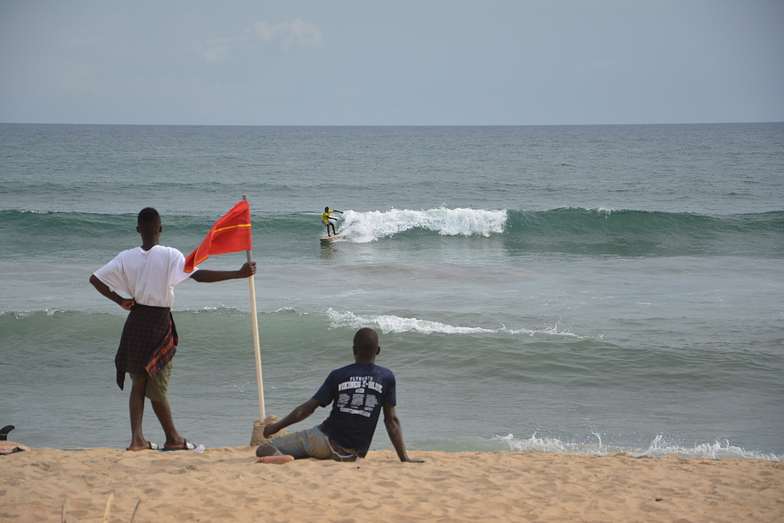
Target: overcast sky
<point>392,62</point>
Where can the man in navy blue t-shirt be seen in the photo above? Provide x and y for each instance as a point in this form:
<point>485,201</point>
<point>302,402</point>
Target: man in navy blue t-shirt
<point>358,393</point>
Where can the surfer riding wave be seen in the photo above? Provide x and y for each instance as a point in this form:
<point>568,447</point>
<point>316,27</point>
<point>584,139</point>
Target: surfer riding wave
<point>326,217</point>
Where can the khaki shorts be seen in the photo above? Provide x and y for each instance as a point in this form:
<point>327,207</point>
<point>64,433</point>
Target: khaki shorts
<point>311,443</point>
<point>158,387</point>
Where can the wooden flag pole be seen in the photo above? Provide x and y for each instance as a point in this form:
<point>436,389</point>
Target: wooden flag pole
<point>258,426</point>
<point>256,346</point>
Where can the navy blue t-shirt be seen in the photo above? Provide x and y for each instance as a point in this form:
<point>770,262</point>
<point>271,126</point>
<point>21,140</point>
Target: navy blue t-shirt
<point>357,393</point>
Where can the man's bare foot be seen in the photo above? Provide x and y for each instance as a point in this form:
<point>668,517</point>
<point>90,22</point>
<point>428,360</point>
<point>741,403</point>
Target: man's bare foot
<point>277,460</point>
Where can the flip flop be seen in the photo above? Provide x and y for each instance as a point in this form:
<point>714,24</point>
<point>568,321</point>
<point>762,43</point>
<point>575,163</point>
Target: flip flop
<point>151,446</point>
<point>186,446</point>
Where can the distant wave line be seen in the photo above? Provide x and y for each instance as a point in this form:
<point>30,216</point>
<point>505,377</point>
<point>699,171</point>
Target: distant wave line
<point>396,324</point>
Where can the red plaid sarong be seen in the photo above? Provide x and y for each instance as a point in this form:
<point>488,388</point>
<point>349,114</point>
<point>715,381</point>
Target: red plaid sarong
<point>148,342</point>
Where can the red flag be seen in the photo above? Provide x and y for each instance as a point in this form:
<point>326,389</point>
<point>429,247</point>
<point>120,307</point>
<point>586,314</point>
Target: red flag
<point>229,234</point>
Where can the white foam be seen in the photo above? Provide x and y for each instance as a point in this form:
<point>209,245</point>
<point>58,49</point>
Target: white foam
<point>365,227</point>
<point>658,447</point>
<point>396,324</point>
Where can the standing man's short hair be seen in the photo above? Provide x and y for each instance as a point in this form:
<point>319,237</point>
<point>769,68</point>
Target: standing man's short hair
<point>148,216</point>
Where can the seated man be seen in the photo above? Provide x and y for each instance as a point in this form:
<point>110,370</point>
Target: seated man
<point>358,393</point>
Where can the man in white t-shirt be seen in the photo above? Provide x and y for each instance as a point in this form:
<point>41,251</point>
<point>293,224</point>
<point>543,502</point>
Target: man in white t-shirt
<point>149,340</point>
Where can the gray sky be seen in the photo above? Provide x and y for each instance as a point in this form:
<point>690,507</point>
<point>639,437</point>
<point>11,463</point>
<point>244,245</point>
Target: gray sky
<point>394,62</point>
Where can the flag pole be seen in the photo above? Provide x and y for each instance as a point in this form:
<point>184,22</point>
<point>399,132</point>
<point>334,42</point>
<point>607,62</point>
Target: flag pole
<point>256,347</point>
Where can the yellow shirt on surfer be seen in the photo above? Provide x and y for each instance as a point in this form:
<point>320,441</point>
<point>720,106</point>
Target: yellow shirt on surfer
<point>326,217</point>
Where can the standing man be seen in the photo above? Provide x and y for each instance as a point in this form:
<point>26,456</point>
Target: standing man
<point>149,339</point>
<point>326,217</point>
<point>358,393</point>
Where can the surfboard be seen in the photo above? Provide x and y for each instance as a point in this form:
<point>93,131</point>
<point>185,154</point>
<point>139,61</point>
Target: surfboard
<point>9,447</point>
<point>329,238</point>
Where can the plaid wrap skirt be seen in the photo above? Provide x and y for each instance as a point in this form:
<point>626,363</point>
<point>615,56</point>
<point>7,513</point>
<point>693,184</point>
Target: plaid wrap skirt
<point>149,341</point>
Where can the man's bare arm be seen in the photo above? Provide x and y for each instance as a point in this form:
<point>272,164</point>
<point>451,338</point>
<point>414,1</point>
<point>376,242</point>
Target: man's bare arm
<point>295,416</point>
<point>207,276</point>
<point>395,431</point>
<point>125,303</point>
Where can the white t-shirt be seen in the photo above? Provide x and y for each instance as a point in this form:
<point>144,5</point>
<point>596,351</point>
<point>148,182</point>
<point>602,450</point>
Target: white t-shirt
<point>149,277</point>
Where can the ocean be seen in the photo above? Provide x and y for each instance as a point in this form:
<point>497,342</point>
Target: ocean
<point>570,289</point>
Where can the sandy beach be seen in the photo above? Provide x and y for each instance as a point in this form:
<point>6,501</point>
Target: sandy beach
<point>226,484</point>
